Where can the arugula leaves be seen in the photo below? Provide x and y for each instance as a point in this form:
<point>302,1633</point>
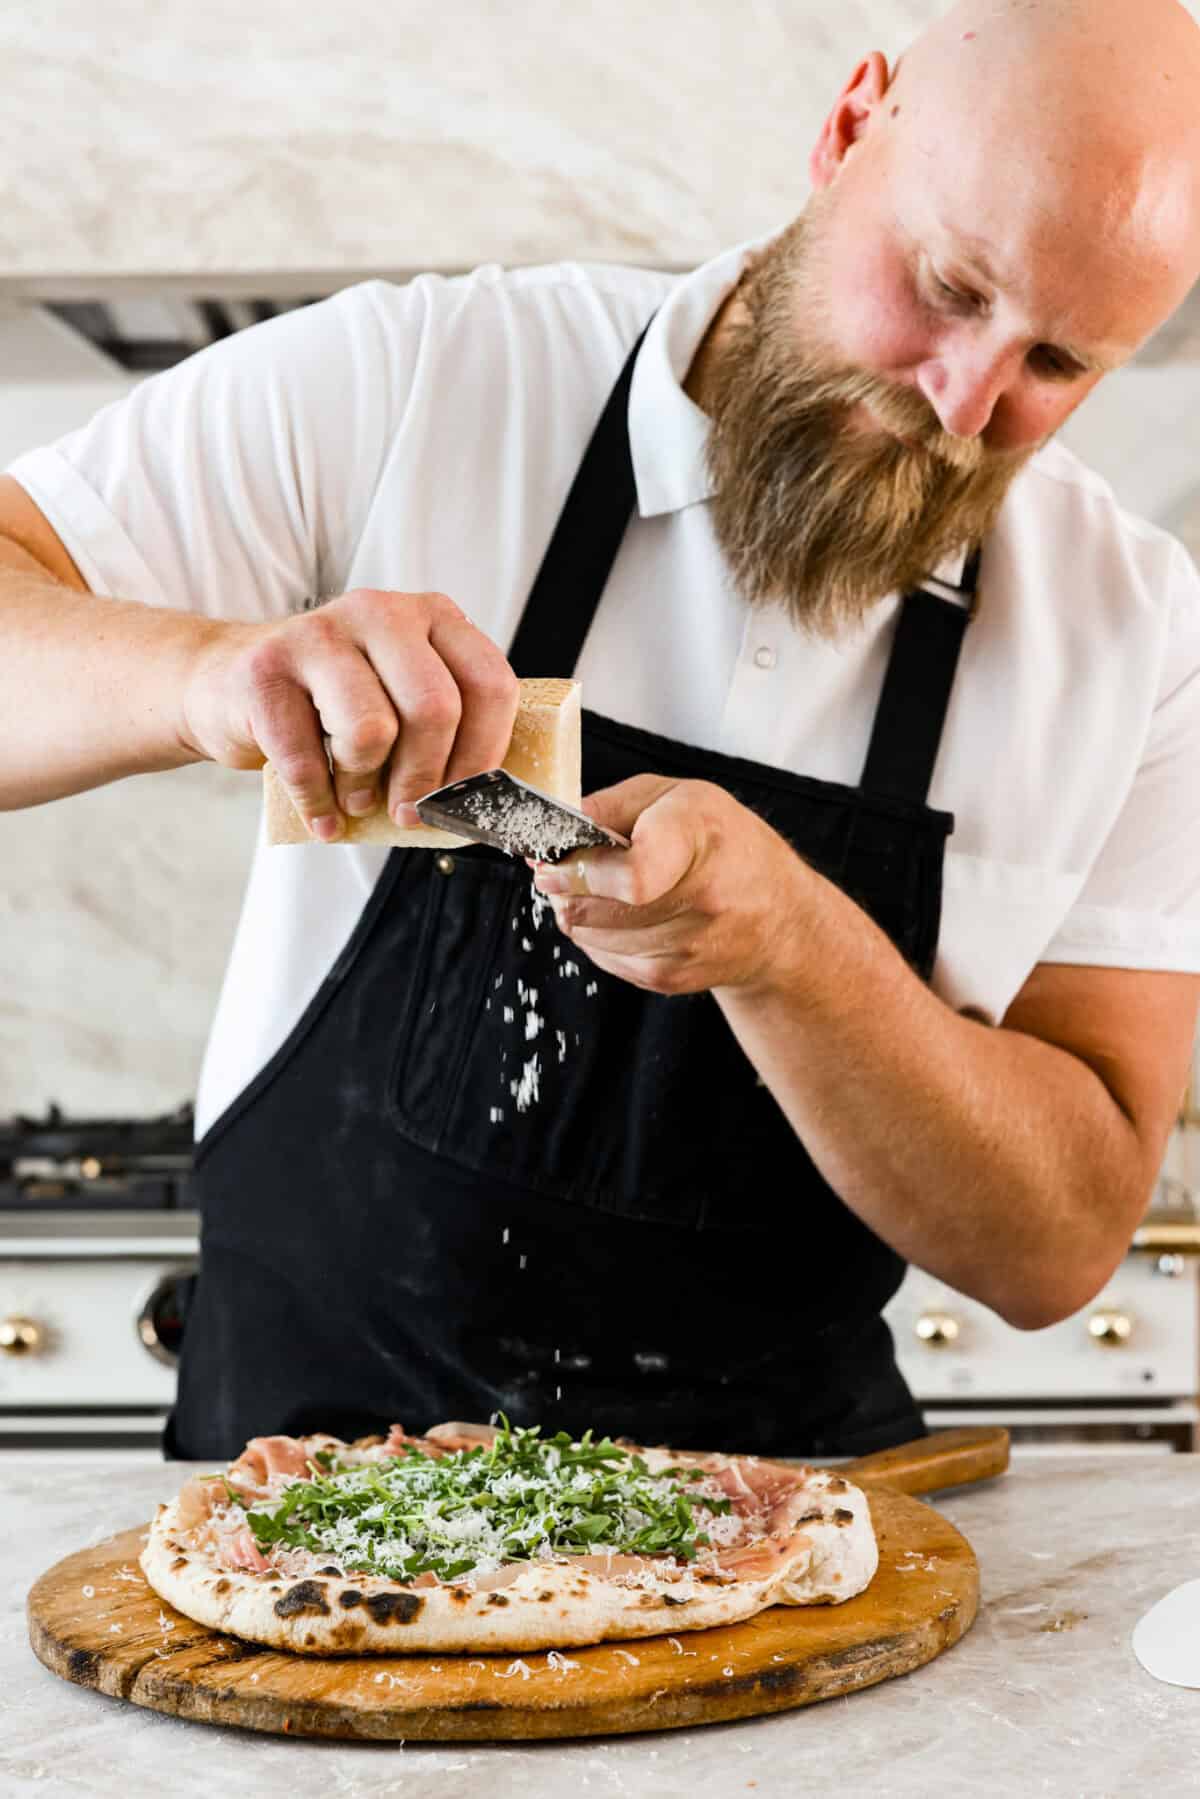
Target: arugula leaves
<point>515,1499</point>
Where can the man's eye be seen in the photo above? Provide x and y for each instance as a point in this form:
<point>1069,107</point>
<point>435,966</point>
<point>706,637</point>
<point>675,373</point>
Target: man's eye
<point>1049,361</point>
<point>957,296</point>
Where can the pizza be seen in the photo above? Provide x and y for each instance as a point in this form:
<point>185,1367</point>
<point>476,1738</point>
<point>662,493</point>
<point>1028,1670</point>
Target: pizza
<point>477,1538</point>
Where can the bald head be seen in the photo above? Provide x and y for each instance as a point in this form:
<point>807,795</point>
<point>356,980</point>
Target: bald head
<point>1073,128</point>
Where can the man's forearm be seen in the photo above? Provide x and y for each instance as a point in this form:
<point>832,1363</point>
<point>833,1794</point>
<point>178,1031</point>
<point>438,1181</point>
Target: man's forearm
<point>90,688</point>
<point>992,1159</point>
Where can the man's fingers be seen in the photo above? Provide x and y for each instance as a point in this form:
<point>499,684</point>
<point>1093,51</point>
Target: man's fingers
<point>454,693</point>
<point>288,731</point>
<point>490,693</point>
<point>402,682</point>
<point>619,808</point>
<point>359,723</point>
<point>656,816</point>
<point>429,707</point>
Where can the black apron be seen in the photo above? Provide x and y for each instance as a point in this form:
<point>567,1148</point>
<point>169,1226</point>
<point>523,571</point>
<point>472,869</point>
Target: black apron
<point>389,1232</point>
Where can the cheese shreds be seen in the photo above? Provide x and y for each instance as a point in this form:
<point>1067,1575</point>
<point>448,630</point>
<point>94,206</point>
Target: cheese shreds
<point>472,1511</point>
<point>525,1090</point>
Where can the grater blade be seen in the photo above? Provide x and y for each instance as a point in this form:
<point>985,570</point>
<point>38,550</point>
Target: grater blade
<point>497,809</point>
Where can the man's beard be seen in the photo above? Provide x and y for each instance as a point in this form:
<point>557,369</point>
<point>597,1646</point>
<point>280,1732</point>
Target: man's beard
<point>809,510</point>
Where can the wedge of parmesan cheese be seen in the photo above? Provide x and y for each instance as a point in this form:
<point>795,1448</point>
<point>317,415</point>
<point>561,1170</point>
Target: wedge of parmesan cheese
<point>545,751</point>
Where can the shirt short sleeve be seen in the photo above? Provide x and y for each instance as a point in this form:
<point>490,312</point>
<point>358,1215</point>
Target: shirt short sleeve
<point>237,483</point>
<point>1140,904</point>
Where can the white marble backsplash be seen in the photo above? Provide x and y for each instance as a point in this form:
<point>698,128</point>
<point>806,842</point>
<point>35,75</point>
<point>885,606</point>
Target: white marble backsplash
<point>117,909</point>
<point>141,138</point>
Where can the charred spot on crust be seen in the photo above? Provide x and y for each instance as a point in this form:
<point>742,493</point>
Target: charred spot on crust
<point>351,1596</point>
<point>670,1599</point>
<point>842,1516</point>
<point>542,1597</point>
<point>813,1517</point>
<point>497,1599</point>
<point>837,1485</point>
<point>179,1562</point>
<point>336,1572</point>
<point>459,1595</point>
<point>222,1586</point>
<point>394,1608</point>
<point>305,1596</point>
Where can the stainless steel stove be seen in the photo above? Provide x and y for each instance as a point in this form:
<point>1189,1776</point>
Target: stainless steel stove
<point>97,1253</point>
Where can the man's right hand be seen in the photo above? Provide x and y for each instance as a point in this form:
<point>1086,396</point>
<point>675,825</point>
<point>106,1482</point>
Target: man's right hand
<point>406,691</point>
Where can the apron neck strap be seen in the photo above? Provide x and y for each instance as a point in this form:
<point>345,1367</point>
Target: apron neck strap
<point>916,689</point>
<point>567,589</point>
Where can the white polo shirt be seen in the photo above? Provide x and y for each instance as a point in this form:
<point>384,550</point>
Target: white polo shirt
<point>424,437</point>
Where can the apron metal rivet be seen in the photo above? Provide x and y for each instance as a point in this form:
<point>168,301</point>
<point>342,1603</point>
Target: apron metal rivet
<point>445,865</point>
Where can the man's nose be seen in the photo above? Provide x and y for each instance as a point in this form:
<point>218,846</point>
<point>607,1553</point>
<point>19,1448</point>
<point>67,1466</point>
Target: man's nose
<point>964,390</point>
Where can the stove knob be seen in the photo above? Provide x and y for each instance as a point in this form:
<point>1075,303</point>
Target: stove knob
<point>21,1336</point>
<point>1112,1329</point>
<point>937,1330</point>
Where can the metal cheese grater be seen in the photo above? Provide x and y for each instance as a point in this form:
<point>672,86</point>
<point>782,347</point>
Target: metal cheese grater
<point>508,814</point>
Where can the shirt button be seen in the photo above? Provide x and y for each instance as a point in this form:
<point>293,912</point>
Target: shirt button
<point>765,658</point>
<point>445,865</point>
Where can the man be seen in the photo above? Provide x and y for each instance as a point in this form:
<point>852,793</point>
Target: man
<point>778,1053</point>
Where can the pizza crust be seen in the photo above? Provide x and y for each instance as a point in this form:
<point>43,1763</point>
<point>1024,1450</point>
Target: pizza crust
<point>831,1556</point>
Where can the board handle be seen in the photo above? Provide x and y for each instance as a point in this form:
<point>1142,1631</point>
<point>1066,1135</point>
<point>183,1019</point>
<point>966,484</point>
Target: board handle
<point>945,1458</point>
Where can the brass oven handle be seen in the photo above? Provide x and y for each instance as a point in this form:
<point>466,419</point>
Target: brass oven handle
<point>21,1336</point>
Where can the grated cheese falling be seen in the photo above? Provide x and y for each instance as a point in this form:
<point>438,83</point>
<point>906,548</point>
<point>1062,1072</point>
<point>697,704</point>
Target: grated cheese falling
<point>540,906</point>
<point>525,1090</point>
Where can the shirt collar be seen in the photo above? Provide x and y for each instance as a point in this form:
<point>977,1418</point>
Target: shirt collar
<point>667,431</point>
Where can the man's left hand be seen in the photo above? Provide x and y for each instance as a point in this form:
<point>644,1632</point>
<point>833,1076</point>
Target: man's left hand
<point>709,896</point>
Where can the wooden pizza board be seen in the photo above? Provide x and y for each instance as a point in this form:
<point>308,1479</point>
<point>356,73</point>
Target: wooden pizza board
<point>94,1620</point>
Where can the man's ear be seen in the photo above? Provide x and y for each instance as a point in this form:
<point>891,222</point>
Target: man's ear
<point>849,118</point>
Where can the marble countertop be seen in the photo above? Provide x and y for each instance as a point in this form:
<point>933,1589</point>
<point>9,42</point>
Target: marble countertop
<point>1043,1695</point>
